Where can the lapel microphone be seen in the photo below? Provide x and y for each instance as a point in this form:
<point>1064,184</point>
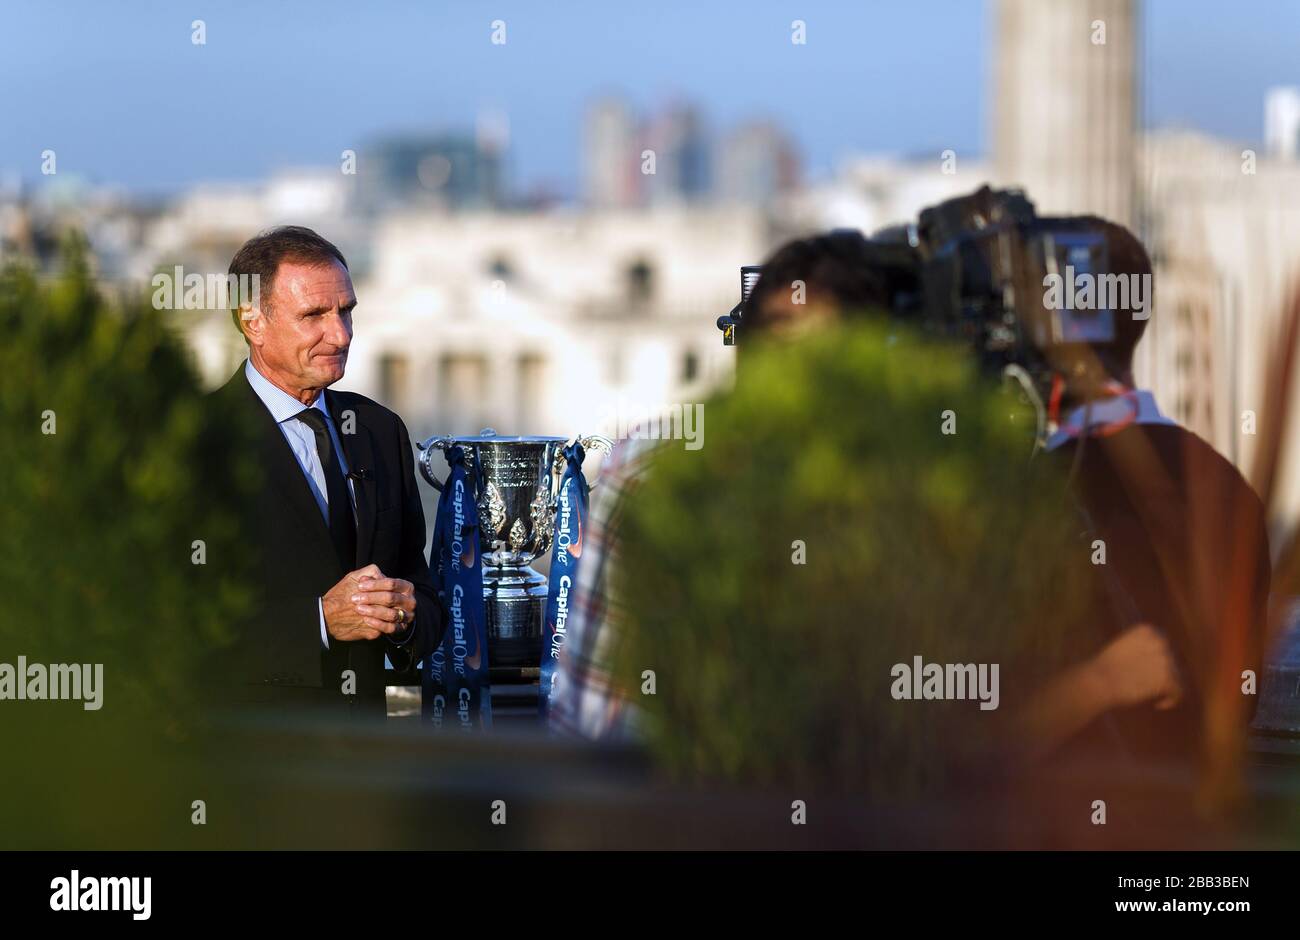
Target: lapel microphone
<point>358,475</point>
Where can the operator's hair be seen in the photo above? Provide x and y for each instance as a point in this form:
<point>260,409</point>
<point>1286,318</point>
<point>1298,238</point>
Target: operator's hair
<point>840,266</point>
<point>262,255</point>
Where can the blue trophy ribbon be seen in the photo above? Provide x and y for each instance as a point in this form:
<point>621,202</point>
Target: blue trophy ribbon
<point>570,526</point>
<point>455,675</point>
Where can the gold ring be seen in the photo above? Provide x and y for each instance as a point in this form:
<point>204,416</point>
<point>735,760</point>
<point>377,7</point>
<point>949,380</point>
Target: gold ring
<point>401,615</point>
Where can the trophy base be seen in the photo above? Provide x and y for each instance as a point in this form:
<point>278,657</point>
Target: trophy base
<point>514,603</point>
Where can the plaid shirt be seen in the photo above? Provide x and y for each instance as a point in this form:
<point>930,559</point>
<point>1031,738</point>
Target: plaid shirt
<point>586,701</point>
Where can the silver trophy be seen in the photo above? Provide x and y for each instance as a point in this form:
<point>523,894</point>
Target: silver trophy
<point>516,521</point>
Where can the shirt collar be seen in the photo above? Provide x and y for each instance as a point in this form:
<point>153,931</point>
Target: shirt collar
<point>280,403</point>
<point>1107,411</point>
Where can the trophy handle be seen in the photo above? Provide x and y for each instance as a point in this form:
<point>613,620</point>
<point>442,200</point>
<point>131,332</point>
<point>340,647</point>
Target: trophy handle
<point>603,445</point>
<point>426,449</point>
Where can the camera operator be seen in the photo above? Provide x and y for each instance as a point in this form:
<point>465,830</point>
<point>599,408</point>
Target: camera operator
<point>1181,534</point>
<point>806,285</point>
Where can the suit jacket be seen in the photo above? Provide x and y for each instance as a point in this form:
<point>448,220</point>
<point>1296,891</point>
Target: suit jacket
<point>277,658</point>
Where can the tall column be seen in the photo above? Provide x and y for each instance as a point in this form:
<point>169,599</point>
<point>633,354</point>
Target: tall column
<point>1065,103</point>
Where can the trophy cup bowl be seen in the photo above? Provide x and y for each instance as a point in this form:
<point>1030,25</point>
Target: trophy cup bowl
<point>521,481</point>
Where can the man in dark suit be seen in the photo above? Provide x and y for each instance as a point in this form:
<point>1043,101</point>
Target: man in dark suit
<point>337,529</point>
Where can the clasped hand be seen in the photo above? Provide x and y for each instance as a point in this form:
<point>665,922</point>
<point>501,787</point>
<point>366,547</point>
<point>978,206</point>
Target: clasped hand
<point>366,604</point>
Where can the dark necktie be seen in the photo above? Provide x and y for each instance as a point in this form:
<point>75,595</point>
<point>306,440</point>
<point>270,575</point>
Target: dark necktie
<point>343,527</point>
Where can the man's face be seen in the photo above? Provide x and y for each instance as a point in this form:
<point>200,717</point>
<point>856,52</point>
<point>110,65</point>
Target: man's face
<point>302,345</point>
<point>785,320</point>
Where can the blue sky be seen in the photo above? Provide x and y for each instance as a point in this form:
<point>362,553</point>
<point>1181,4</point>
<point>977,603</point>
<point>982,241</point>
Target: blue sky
<point>121,94</point>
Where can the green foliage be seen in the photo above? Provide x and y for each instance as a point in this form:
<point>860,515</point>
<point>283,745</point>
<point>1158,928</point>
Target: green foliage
<point>96,547</point>
<point>957,548</point>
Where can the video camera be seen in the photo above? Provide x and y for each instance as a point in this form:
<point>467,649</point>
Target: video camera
<point>976,268</point>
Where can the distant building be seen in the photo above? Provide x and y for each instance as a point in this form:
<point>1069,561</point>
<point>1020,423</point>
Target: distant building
<point>669,159</point>
<point>681,157</point>
<point>535,323</point>
<point>755,163</point>
<point>1226,244</point>
<point>611,157</point>
<point>1282,122</point>
<point>448,171</point>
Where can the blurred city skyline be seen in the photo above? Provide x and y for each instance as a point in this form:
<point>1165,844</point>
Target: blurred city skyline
<point>471,315</point>
<point>126,100</point>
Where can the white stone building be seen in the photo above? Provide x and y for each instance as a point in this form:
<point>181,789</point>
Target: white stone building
<point>542,323</point>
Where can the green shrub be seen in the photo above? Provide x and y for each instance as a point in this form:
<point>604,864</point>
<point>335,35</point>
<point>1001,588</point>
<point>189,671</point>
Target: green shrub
<point>954,547</point>
<point>96,556</point>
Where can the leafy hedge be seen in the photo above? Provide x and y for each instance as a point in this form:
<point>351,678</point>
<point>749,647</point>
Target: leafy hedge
<point>97,555</point>
<point>954,547</point>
